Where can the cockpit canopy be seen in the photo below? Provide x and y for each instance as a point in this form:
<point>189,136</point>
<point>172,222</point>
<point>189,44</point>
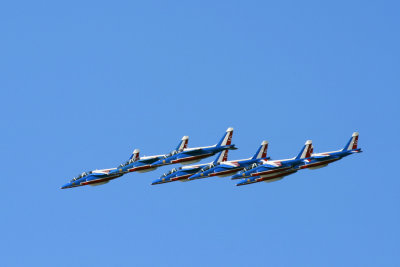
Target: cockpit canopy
<point>127,163</point>
<point>83,174</point>
<point>170,172</point>
<point>171,154</point>
<point>207,167</point>
<point>252,166</point>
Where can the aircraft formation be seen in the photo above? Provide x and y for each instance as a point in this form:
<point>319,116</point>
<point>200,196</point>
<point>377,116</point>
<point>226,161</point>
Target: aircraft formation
<point>258,168</point>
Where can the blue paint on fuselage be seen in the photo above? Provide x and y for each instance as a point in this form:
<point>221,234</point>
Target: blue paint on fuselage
<point>191,154</point>
<point>291,163</point>
<point>321,158</point>
<point>92,178</point>
<point>223,168</point>
<point>178,174</point>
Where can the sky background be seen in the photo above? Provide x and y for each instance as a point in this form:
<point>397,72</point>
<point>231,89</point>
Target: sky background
<point>83,83</point>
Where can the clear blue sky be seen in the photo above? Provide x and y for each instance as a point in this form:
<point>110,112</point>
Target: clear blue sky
<point>83,83</point>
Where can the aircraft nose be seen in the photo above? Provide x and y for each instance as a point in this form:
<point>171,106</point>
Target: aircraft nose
<point>155,182</point>
<point>236,176</point>
<point>194,176</point>
<point>68,185</point>
<point>243,182</point>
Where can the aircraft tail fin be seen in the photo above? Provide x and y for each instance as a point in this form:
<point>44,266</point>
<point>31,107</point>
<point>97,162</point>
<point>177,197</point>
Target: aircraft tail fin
<point>222,156</point>
<point>352,143</point>
<point>183,143</point>
<point>135,155</point>
<point>306,151</point>
<point>261,151</point>
<point>227,138</point>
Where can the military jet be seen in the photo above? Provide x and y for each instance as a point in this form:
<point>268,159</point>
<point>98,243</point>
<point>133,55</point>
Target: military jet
<point>96,177</point>
<point>227,168</point>
<point>320,160</point>
<point>99,177</point>
<point>182,173</point>
<point>274,170</point>
<point>193,155</point>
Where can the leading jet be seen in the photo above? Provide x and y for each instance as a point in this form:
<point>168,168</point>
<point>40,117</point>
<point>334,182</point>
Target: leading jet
<point>100,177</point>
<point>193,155</point>
<point>96,177</point>
<point>274,170</point>
<point>320,160</point>
<point>227,168</point>
<point>182,173</point>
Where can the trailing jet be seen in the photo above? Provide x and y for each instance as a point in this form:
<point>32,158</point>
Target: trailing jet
<point>182,173</point>
<point>274,170</point>
<point>320,160</point>
<point>193,155</point>
<point>99,177</point>
<point>227,168</point>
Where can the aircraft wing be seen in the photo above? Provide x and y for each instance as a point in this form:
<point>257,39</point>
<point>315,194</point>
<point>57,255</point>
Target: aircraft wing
<point>150,160</point>
<point>230,165</point>
<point>321,157</point>
<point>193,152</point>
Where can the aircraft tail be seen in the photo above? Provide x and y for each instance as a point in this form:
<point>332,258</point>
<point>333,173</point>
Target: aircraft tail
<point>352,143</point>
<point>261,151</point>
<point>222,156</point>
<point>306,151</point>
<point>227,138</point>
<point>135,155</point>
<point>183,143</point>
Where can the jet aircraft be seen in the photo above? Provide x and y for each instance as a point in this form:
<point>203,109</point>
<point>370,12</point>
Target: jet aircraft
<point>274,170</point>
<point>193,155</point>
<point>96,177</point>
<point>182,173</point>
<point>320,160</point>
<point>227,168</point>
<point>99,177</point>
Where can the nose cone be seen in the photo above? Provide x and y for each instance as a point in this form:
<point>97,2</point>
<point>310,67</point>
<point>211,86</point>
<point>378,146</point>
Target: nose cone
<point>244,182</point>
<point>160,181</point>
<point>239,175</point>
<point>68,185</point>
<point>194,176</point>
<point>233,147</point>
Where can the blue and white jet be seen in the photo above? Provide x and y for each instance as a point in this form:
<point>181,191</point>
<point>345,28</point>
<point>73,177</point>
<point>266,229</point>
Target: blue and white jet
<point>193,155</point>
<point>227,168</point>
<point>96,177</point>
<point>320,160</point>
<point>100,177</point>
<point>183,173</point>
<point>274,170</point>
